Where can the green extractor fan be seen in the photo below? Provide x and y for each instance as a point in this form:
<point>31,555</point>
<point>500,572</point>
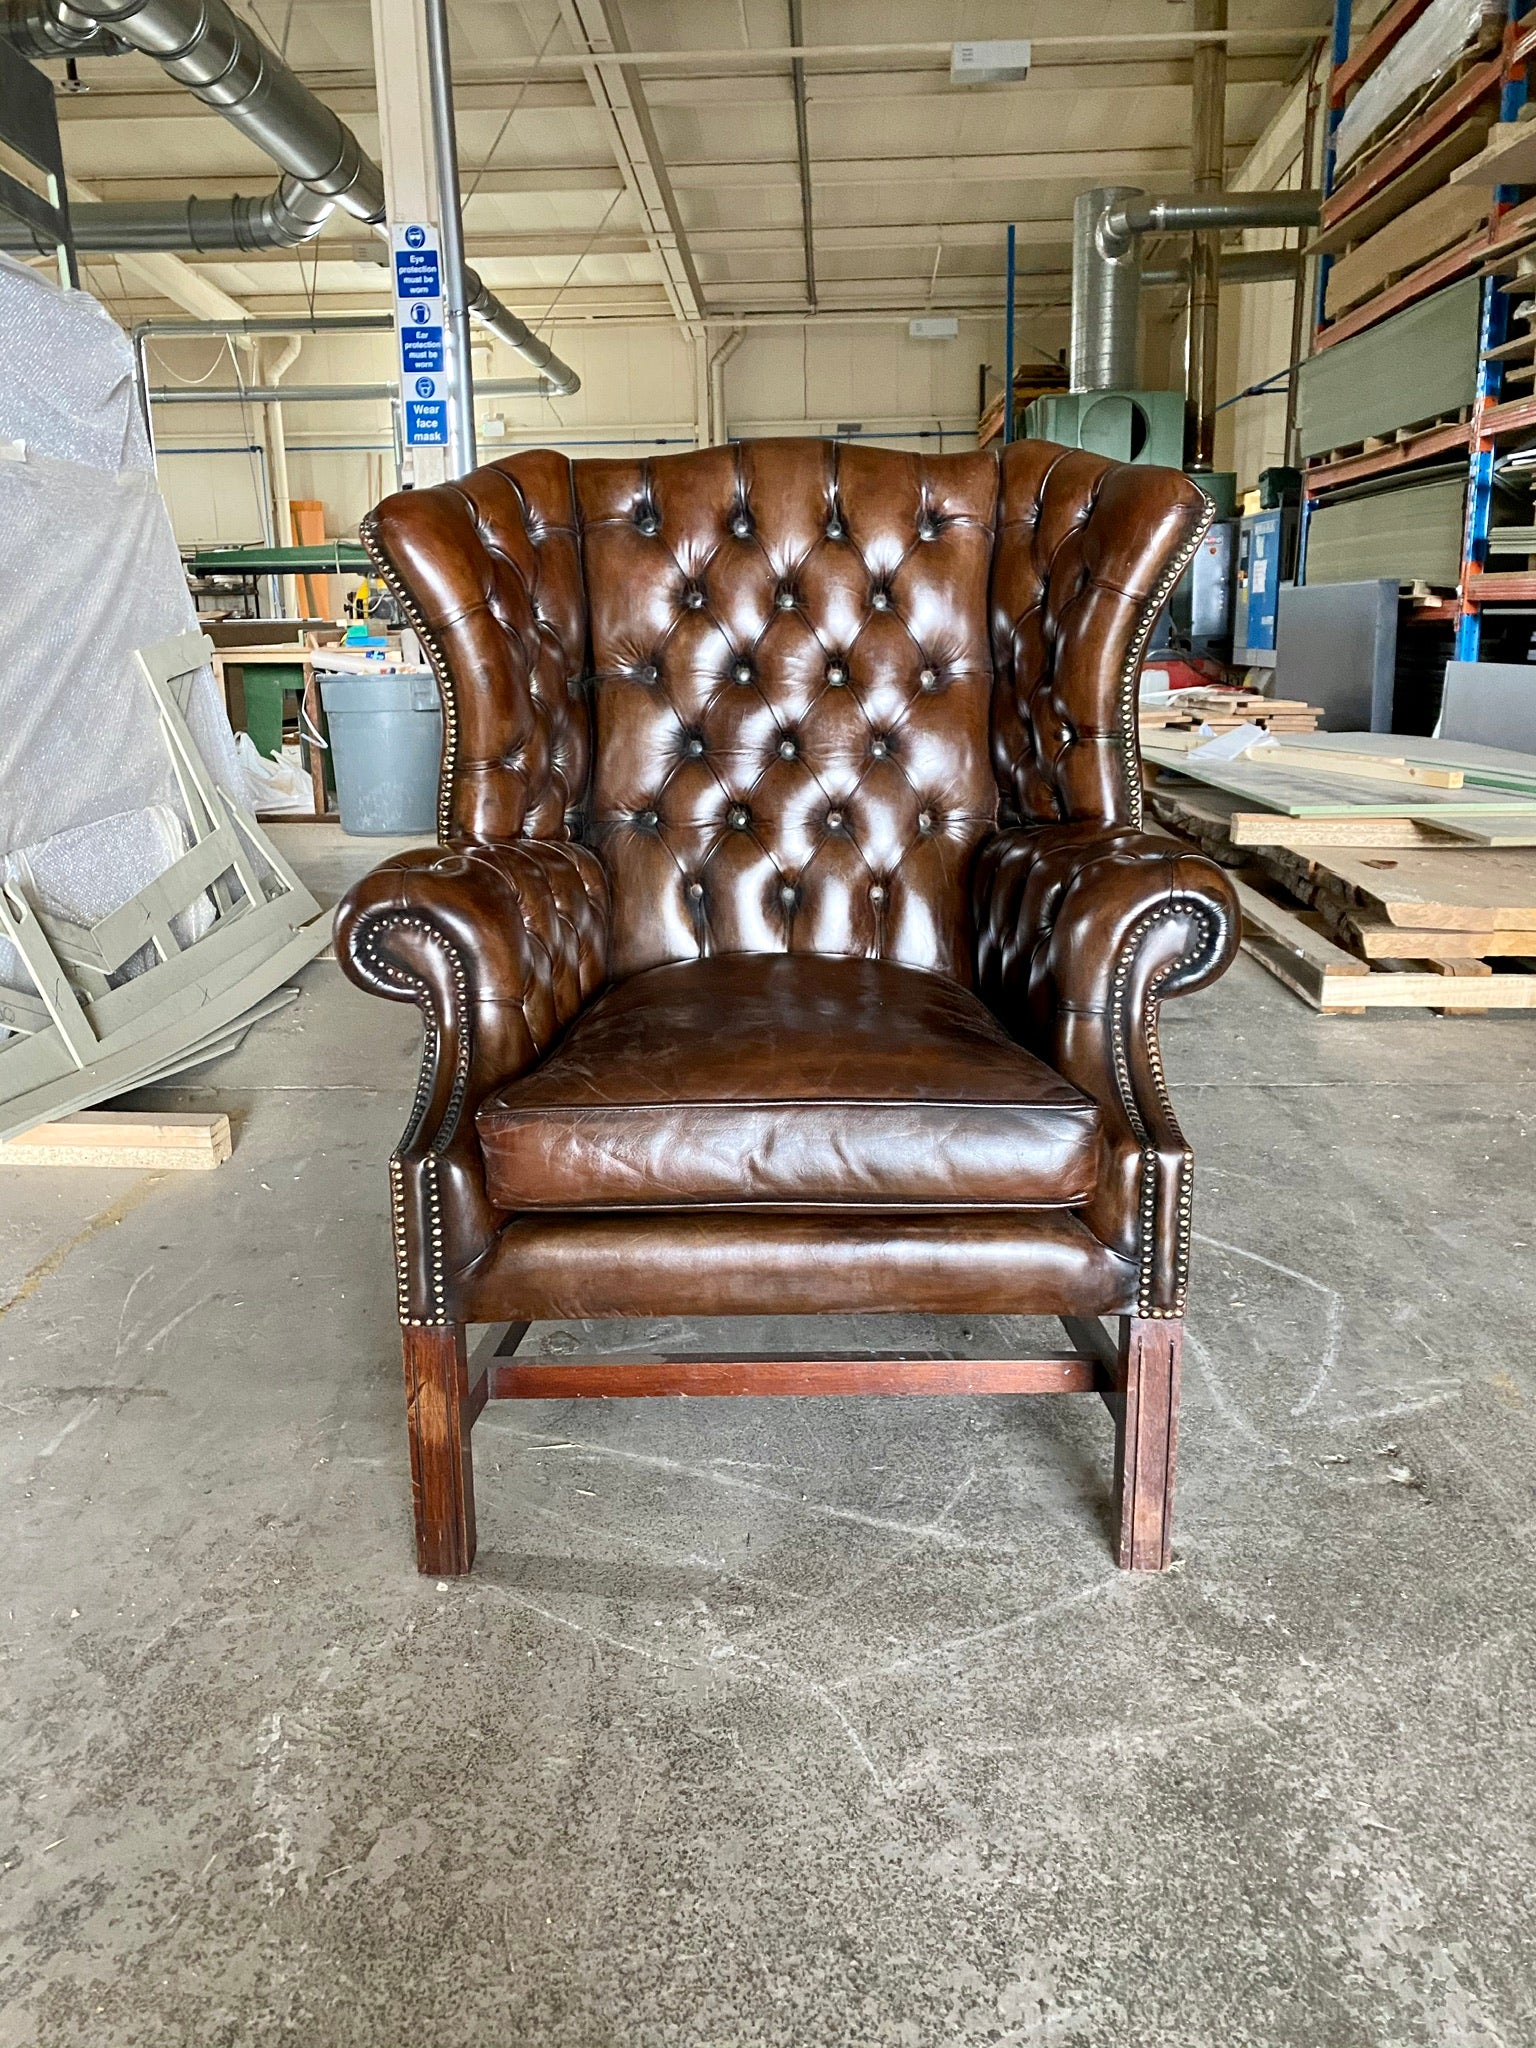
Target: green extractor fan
<point>1126,426</point>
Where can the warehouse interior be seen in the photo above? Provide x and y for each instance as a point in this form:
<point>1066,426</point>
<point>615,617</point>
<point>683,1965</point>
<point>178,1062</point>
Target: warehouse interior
<point>388,388</point>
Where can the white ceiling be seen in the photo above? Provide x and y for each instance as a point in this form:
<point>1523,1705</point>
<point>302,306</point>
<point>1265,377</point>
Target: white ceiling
<point>913,181</point>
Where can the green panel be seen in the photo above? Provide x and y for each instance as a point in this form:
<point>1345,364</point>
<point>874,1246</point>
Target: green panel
<point>1413,533</point>
<point>335,557</point>
<point>266,683</point>
<point>1414,367</point>
<point>1127,426</point>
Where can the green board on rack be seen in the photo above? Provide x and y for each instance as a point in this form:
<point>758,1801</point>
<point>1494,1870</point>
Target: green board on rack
<point>1313,794</point>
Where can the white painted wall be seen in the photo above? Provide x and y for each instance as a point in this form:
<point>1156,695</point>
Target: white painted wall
<point>639,389</point>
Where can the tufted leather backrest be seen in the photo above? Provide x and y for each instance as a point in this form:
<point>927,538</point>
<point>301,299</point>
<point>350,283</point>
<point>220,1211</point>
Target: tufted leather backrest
<point>786,649</point>
<point>489,571</point>
<point>1088,552</point>
<point>792,690</point>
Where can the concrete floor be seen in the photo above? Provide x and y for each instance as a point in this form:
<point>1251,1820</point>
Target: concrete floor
<point>780,1722</point>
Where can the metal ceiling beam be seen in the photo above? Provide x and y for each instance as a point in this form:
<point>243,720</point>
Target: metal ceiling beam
<point>594,26</point>
<point>485,88</point>
<point>1143,166</point>
<point>803,151</point>
<point>1117,45</point>
<point>504,244</point>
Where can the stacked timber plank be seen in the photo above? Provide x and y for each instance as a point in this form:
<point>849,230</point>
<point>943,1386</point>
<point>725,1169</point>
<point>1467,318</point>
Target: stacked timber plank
<point>1361,894</point>
<point>1222,710</point>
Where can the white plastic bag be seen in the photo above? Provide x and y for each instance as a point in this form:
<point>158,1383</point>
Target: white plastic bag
<point>275,785</point>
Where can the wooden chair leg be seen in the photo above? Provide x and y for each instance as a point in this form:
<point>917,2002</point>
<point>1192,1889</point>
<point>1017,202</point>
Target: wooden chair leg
<point>1146,1437</point>
<point>438,1417</point>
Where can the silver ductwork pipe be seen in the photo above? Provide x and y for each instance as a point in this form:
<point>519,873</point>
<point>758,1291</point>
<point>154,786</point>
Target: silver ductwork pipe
<point>1190,213</point>
<point>52,28</point>
<point>222,61</point>
<point>226,64</point>
<point>321,394</point>
<point>561,379</point>
<point>286,218</point>
<point>1107,226</point>
<point>1238,266</point>
<point>1106,293</point>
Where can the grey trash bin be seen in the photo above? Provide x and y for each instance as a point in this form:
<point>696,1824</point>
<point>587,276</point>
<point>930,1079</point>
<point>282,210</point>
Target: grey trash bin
<point>386,743</point>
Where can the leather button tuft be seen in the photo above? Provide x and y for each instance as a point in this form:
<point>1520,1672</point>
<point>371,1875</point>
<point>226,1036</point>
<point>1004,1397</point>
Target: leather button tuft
<point>927,530</point>
<point>693,746</point>
<point>879,747</point>
<point>742,672</point>
<point>789,895</point>
<point>834,821</point>
<point>877,892</point>
<point>835,529</point>
<point>925,821</point>
<point>648,524</point>
<point>789,747</point>
<point>739,816</point>
<point>694,599</point>
<point>785,600</point>
<point>696,891</point>
<point>648,674</point>
<point>837,675</point>
<point>647,820</point>
<point>929,679</point>
<point>741,526</point>
<point>880,599</point>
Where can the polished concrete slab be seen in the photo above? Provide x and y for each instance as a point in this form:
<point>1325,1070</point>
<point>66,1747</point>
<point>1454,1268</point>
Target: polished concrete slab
<point>759,1723</point>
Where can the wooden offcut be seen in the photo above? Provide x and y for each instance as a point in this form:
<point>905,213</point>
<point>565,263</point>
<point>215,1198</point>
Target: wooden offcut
<point>1438,221</point>
<point>1444,890</point>
<point>170,1142</point>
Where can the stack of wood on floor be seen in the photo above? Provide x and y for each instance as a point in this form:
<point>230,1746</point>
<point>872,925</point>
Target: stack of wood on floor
<point>1374,871</point>
<point>1188,711</point>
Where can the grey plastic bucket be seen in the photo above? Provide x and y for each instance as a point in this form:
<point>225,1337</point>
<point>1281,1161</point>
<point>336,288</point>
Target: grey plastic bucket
<point>386,743</point>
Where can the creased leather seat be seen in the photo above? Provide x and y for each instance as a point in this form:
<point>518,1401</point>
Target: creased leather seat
<point>788,1079</point>
<point>792,942</point>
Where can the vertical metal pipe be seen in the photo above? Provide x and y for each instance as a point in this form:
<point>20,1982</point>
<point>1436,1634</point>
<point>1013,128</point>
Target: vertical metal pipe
<point>803,150</point>
<point>1208,137</point>
<point>451,228</point>
<point>1339,51</point>
<point>1013,261</point>
<point>1299,290</point>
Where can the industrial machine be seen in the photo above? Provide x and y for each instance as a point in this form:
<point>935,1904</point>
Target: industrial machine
<point>1126,426</point>
<point>1266,558</point>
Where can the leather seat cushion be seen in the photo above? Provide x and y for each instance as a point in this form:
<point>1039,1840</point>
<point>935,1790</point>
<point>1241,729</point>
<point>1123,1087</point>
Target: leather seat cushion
<point>788,1078</point>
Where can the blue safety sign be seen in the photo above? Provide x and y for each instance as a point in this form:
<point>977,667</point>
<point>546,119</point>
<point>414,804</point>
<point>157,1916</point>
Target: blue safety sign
<point>426,422</point>
<point>421,348</point>
<point>418,275</point>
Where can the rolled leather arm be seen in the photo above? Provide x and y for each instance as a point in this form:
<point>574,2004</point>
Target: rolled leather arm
<point>1083,931</point>
<point>499,946</point>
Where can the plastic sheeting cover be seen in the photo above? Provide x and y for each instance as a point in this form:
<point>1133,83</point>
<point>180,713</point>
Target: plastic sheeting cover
<point>91,573</point>
<point>1430,47</point>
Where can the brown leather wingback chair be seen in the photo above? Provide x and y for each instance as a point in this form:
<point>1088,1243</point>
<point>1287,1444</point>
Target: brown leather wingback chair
<point>792,944</point>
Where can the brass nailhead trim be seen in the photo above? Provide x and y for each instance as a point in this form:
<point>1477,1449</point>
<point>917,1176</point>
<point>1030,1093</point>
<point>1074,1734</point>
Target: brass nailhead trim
<point>396,976</point>
<point>1119,1024</point>
<point>1130,748</point>
<point>440,669</point>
